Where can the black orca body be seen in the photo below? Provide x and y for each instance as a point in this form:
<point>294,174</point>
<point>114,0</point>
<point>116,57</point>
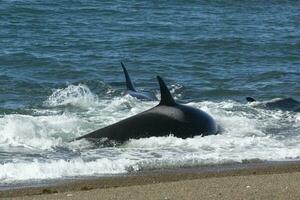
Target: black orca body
<point>133,92</point>
<point>285,104</point>
<point>168,117</point>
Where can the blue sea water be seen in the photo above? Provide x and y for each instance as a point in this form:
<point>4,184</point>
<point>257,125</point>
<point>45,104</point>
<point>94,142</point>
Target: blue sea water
<point>60,78</point>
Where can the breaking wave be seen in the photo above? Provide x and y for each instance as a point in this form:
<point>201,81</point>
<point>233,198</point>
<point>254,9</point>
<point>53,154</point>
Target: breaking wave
<point>37,146</point>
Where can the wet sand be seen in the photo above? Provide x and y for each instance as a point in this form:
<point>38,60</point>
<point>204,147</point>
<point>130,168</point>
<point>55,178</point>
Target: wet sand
<point>239,181</point>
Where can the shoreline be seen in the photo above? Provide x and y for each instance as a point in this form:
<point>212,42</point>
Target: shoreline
<point>159,176</point>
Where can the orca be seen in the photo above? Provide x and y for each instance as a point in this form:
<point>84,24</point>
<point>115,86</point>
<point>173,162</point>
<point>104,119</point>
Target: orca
<point>145,96</point>
<point>285,104</point>
<point>167,118</point>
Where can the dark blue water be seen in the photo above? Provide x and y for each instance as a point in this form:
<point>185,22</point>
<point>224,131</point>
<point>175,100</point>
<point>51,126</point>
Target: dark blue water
<point>215,52</point>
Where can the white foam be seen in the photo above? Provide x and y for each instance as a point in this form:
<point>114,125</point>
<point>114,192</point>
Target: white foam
<point>247,133</point>
<point>41,132</point>
<point>60,168</point>
<point>76,95</point>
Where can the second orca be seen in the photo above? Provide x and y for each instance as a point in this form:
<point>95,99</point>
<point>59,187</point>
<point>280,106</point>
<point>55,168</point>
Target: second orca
<point>145,96</point>
<point>285,104</point>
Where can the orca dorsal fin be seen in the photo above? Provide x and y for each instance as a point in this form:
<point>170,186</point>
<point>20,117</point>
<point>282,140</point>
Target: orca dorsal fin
<point>166,97</point>
<point>128,80</point>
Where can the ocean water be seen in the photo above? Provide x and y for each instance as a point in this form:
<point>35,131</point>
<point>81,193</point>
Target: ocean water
<point>60,78</point>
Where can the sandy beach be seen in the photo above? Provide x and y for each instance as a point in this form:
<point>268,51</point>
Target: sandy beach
<point>240,181</point>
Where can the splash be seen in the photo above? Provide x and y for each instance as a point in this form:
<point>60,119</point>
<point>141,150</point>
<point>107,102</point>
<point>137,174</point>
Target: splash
<point>32,146</point>
<point>75,95</point>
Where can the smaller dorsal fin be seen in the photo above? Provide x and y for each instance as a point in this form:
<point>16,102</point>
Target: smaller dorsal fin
<point>166,97</point>
<point>128,81</point>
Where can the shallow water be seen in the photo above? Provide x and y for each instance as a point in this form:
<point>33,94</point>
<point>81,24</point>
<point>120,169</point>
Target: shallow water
<point>60,78</point>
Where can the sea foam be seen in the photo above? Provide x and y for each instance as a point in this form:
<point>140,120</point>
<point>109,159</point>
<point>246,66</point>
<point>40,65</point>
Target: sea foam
<point>37,146</point>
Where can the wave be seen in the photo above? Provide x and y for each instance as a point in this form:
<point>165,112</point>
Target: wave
<point>37,146</point>
<point>37,132</point>
<point>59,168</point>
<point>79,95</point>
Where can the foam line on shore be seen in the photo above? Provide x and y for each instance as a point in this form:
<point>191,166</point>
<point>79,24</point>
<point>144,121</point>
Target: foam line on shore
<point>157,176</point>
